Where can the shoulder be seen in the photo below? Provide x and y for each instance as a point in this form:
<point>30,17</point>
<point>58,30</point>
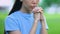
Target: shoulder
<point>14,15</point>
<point>12,19</point>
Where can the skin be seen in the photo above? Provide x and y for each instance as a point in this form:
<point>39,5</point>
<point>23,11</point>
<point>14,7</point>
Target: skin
<point>27,7</point>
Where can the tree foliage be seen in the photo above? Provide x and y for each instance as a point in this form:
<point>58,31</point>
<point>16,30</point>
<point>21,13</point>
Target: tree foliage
<point>47,3</point>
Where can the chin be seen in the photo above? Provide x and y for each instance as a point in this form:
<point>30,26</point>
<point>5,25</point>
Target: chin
<point>31,9</point>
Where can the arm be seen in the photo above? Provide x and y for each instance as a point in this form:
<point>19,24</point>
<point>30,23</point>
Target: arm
<point>43,23</point>
<point>36,19</point>
<point>33,30</point>
<point>43,30</point>
<point>14,32</point>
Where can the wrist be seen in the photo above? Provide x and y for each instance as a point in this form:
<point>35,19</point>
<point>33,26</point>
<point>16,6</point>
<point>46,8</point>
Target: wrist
<point>43,23</point>
<point>36,21</point>
<point>42,20</point>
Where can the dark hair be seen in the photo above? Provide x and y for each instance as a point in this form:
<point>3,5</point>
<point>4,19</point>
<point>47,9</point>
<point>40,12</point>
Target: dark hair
<point>17,6</point>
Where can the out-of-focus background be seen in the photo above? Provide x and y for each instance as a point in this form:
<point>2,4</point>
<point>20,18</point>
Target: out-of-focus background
<point>51,11</point>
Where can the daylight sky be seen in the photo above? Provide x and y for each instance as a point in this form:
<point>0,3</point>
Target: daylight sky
<point>5,2</point>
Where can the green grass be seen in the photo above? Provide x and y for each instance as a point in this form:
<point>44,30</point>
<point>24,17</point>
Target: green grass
<point>52,20</point>
<point>2,17</point>
<point>53,23</point>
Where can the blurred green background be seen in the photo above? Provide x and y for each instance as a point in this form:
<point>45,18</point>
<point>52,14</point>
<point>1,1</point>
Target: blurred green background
<point>51,11</point>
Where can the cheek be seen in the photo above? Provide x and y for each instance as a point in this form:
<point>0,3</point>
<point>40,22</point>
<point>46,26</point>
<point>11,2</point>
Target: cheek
<point>27,5</point>
<point>27,2</point>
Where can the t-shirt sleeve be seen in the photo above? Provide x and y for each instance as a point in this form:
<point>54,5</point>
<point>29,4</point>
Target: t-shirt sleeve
<point>46,23</point>
<point>11,24</point>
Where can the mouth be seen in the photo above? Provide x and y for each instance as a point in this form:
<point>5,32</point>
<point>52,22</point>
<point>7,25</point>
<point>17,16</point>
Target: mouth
<point>32,7</point>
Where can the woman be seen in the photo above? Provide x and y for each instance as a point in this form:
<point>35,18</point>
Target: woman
<point>25,18</point>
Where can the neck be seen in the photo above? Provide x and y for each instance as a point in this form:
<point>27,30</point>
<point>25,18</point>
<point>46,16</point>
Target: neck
<point>24,10</point>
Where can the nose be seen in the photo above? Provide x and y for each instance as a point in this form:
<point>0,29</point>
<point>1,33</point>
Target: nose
<point>34,2</point>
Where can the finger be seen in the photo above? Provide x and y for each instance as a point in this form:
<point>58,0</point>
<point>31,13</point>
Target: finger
<point>36,10</point>
<point>41,10</point>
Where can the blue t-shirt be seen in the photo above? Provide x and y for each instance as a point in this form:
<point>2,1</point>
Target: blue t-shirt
<point>22,22</point>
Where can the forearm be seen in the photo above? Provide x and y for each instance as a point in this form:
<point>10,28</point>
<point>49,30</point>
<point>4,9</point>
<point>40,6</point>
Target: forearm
<point>34,27</point>
<point>43,30</point>
<point>14,32</point>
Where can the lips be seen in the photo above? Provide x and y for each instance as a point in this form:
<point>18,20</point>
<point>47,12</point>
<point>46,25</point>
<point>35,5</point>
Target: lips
<point>33,6</point>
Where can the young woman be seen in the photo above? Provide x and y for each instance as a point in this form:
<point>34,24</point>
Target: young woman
<point>25,18</point>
